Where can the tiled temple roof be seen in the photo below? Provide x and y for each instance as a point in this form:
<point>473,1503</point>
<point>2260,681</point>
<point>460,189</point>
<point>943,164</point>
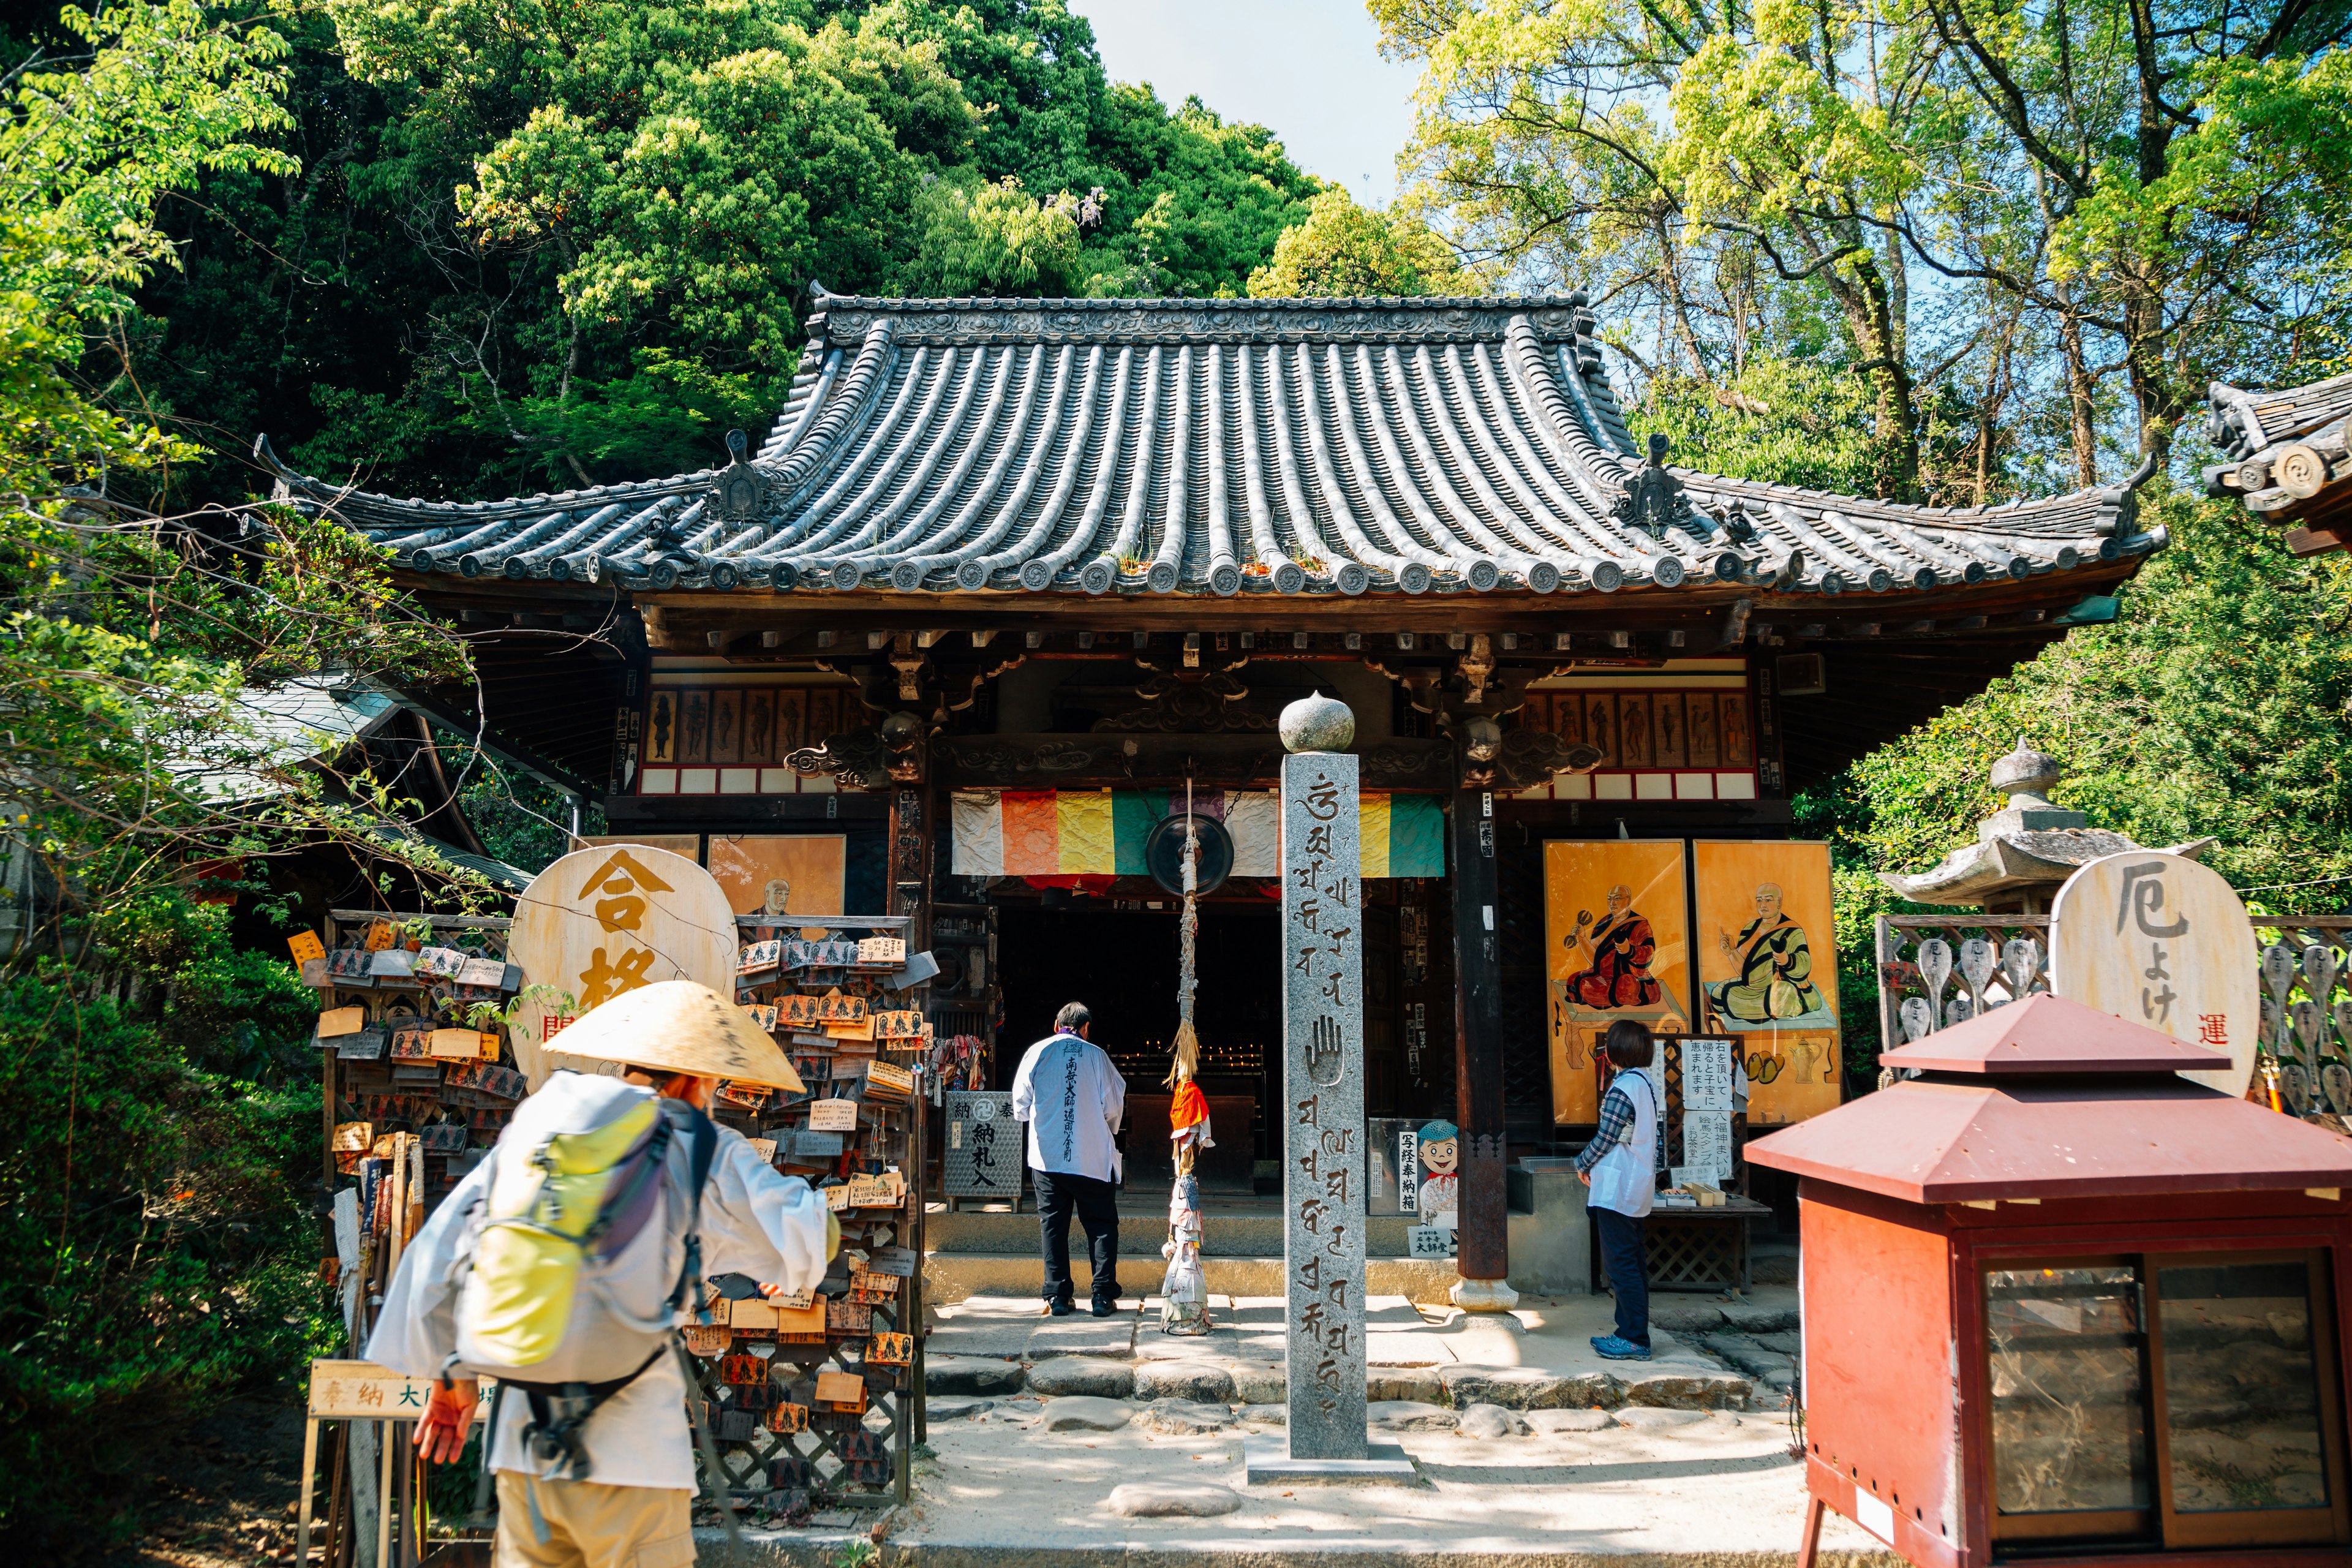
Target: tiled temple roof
<point>1220,448</point>
<point>2287,455</point>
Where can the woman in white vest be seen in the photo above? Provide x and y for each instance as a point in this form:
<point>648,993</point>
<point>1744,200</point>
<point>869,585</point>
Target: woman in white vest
<point>1621,1167</point>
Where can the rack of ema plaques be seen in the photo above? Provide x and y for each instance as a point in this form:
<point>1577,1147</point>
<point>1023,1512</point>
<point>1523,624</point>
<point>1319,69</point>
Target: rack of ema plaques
<point>816,1401</point>
<point>419,1074</point>
<point>419,1078</point>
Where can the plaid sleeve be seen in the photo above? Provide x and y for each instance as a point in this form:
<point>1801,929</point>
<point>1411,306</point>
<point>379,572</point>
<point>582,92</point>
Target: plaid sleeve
<point>1616,1119</point>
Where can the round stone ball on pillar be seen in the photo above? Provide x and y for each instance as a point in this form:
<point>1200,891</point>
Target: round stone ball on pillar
<point>1316,723</point>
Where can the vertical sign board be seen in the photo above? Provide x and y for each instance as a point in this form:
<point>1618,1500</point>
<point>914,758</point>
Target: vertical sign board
<point>2159,940</point>
<point>1323,1105</point>
<point>604,920</point>
<point>1708,1101</point>
<point>985,1154</point>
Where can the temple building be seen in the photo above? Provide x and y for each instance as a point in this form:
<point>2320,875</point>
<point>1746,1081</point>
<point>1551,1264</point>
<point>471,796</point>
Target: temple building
<point>2286,458</point>
<point>1011,580</point>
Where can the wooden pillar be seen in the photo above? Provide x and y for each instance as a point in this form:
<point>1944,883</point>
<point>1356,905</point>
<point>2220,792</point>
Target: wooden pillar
<point>1484,1201</point>
<point>910,862</point>
<point>1771,769</point>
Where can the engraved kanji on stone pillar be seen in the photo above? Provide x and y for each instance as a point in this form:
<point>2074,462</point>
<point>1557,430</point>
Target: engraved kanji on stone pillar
<point>1323,1081</point>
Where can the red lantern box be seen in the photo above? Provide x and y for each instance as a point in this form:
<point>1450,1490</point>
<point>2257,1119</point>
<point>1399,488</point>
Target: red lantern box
<point>2063,1303</point>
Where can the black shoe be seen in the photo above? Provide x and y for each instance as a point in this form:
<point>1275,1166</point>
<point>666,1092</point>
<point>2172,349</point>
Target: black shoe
<point>1060,1309</point>
<point>1105,1309</point>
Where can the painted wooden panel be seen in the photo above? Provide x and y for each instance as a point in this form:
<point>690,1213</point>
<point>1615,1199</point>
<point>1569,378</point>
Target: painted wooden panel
<point>1616,945</point>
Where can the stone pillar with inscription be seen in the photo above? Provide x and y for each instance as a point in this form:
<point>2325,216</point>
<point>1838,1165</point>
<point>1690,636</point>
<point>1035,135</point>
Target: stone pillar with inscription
<point>1322,1109</point>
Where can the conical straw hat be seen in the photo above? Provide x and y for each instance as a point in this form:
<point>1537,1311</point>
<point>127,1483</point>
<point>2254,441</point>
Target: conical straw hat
<point>681,1026</point>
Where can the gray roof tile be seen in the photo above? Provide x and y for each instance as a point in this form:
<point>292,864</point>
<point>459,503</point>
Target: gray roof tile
<point>1217,447</point>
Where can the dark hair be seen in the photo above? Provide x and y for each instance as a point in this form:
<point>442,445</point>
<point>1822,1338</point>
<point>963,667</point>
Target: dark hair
<point>1629,1045</point>
<point>1073,1017</point>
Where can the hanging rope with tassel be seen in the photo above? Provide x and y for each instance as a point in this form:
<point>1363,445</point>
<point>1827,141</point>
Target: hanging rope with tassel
<point>1184,1292</point>
<point>1186,1063</point>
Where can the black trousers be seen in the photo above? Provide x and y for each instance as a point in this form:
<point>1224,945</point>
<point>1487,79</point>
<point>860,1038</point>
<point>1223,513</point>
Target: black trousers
<point>1623,1257</point>
<point>1060,1195</point>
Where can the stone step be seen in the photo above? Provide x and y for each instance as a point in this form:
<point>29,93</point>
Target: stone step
<point>953,1275</point>
<point>1224,1233</point>
<point>1548,1242</point>
<point>1673,1385</point>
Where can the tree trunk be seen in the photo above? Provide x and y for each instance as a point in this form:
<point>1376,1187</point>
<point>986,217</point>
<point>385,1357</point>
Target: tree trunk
<point>2078,393</point>
<point>1869,313</point>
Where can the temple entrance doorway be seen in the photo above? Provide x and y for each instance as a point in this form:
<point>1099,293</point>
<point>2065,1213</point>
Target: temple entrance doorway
<point>1120,957</point>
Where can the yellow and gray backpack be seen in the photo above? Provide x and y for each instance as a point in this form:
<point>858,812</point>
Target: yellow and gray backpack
<point>570,1294</point>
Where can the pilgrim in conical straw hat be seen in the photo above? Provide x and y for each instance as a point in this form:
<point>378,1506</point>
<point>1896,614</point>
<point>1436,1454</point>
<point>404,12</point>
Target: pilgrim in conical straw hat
<point>679,1026</point>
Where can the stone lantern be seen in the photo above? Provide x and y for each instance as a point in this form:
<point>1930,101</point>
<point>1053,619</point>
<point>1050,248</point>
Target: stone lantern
<point>2024,851</point>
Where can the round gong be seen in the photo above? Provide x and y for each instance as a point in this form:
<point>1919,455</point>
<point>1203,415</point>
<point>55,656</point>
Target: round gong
<point>1163,854</point>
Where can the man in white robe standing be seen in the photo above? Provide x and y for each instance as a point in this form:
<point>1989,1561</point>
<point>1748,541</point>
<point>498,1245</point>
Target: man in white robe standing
<point>1073,1099</point>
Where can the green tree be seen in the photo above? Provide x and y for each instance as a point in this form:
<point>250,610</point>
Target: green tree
<point>1786,421</point>
<point>352,311</point>
<point>84,156</point>
<point>993,239</point>
<point>2215,706</point>
<point>155,1246</point>
<point>2052,225</point>
<point>2218,705</point>
<point>1216,197</point>
<point>1344,250</point>
<point>701,166</point>
<point>1188,202</point>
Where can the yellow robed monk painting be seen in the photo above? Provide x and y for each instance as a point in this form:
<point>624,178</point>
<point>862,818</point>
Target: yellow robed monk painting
<point>1767,969</point>
<point>1617,946</point>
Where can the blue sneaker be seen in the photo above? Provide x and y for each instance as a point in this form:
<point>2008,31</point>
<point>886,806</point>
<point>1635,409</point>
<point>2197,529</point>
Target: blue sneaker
<point>1614,1349</point>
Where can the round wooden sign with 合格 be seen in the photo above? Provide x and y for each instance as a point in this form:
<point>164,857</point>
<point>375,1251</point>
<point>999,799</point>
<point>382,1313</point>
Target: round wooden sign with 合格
<point>2159,940</point>
<point>606,920</point>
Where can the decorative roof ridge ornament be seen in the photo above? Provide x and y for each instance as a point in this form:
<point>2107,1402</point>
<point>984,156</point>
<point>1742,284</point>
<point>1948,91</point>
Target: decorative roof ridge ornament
<point>1652,498</point>
<point>741,491</point>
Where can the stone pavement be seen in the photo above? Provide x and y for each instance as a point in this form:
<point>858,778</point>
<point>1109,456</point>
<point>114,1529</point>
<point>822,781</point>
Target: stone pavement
<point>1539,1357</point>
<point>1546,1488</point>
<point>1101,1443</point>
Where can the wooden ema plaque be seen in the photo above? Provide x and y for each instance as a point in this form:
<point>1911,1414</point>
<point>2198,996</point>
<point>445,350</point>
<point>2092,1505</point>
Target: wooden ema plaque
<point>825,1115</point>
<point>841,1391</point>
<point>466,1044</point>
<point>884,1191</point>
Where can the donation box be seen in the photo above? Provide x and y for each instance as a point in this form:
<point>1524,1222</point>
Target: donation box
<point>2062,1303</point>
